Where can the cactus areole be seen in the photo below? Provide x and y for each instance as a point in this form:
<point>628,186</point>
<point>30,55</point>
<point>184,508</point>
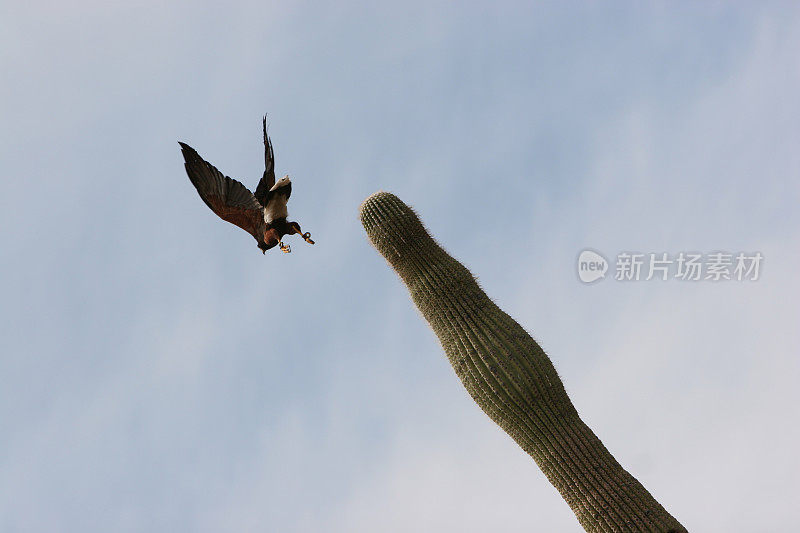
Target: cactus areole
<point>510,377</point>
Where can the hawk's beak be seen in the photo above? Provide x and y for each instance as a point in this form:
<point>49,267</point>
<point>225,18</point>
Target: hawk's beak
<point>263,252</point>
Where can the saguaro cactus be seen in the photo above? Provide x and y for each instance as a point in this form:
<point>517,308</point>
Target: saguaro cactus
<point>510,377</point>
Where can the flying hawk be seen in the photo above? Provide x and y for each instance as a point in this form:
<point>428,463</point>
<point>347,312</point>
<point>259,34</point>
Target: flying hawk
<point>263,214</point>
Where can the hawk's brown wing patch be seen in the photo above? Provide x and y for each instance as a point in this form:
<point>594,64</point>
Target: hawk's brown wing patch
<point>268,179</point>
<point>228,198</point>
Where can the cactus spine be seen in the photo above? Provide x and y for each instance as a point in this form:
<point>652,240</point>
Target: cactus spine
<point>510,377</point>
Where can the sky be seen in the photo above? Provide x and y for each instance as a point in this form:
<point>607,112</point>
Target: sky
<point>160,374</point>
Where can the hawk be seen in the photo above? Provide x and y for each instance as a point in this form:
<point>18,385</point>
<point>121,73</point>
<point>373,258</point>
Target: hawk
<point>262,214</point>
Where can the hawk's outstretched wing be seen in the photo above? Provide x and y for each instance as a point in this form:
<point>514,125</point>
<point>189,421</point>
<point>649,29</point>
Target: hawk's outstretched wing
<point>268,179</point>
<point>228,198</point>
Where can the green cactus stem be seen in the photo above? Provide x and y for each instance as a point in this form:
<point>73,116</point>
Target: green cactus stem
<point>510,377</point>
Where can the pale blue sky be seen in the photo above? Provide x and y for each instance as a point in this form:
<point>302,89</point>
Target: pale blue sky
<point>146,386</point>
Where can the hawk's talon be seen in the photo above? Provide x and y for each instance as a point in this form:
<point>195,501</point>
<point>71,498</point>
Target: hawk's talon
<point>307,238</point>
<point>285,248</point>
